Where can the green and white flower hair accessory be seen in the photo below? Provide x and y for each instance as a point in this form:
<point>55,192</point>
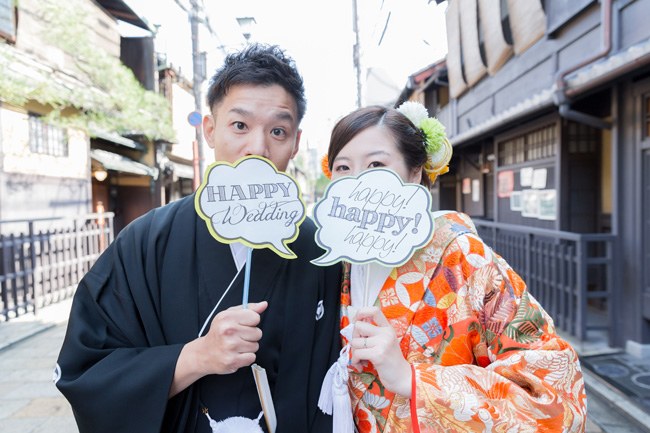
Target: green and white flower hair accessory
<point>437,145</point>
<point>414,111</point>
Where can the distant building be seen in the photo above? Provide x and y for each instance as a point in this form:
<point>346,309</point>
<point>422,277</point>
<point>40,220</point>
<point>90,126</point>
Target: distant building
<point>177,159</point>
<point>77,133</point>
<point>547,105</point>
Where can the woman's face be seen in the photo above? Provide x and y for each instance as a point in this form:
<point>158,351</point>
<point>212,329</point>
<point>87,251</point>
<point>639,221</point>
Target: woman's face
<point>371,148</point>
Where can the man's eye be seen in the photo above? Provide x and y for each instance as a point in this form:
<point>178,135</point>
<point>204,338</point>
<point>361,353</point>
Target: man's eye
<point>277,132</point>
<point>239,125</point>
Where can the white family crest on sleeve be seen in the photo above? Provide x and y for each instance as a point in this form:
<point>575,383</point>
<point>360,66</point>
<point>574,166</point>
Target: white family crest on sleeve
<point>56,374</point>
<point>320,310</point>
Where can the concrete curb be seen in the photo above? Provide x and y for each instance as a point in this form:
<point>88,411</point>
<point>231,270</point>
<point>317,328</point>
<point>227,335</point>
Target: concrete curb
<point>617,400</point>
<point>29,330</point>
<point>23,327</point>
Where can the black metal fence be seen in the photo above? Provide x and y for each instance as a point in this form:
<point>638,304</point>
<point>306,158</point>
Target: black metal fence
<point>570,274</point>
<point>42,260</point>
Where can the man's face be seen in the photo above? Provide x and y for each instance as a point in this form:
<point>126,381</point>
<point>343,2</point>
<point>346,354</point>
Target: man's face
<point>254,120</point>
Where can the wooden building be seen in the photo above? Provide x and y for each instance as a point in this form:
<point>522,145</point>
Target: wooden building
<point>78,132</point>
<point>547,105</point>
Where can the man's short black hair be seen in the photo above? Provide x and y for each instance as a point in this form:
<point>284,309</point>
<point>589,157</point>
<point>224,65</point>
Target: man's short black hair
<point>258,65</point>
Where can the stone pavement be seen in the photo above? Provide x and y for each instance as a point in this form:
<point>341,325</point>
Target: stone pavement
<point>30,403</point>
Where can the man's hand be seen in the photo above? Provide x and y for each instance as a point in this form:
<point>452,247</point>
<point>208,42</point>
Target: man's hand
<point>232,340</point>
<point>231,343</point>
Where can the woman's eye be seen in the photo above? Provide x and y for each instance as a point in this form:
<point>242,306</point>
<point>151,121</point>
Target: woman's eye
<point>277,132</point>
<point>376,164</point>
<point>341,168</point>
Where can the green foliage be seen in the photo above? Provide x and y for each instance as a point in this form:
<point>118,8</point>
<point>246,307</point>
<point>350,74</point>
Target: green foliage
<point>107,95</point>
<point>321,184</point>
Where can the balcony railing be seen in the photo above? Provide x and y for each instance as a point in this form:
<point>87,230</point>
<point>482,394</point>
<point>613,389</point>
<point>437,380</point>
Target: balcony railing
<point>43,260</point>
<point>570,274</point>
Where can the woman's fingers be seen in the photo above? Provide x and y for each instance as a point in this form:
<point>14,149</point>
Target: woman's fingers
<point>365,329</point>
<point>372,315</point>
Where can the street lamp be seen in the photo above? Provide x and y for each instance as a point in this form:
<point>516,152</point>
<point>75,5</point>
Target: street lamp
<point>100,175</point>
<point>246,24</point>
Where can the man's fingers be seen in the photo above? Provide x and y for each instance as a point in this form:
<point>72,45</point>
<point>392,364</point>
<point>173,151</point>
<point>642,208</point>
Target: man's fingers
<point>243,316</point>
<point>236,362</point>
<point>248,347</point>
<point>250,334</point>
<point>258,307</point>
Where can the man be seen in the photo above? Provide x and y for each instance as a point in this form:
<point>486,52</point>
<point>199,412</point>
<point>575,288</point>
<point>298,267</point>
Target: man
<point>131,360</point>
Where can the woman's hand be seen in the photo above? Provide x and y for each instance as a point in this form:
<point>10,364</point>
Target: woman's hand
<point>374,340</point>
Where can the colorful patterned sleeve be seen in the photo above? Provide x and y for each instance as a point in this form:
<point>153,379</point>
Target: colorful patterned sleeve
<point>498,363</point>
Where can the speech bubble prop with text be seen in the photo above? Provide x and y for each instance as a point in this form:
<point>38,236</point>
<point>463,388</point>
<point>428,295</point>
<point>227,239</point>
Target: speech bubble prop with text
<point>251,202</point>
<point>372,217</point>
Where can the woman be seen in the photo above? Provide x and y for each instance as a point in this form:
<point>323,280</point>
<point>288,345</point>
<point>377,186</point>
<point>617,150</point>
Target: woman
<point>451,341</point>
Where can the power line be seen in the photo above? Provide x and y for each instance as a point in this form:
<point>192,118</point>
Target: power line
<point>356,49</point>
<point>381,38</point>
<point>182,6</point>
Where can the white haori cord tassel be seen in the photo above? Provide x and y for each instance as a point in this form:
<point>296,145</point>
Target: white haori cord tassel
<point>236,424</point>
<point>334,396</point>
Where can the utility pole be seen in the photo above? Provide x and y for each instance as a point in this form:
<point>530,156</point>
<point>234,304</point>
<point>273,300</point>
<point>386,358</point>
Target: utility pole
<point>197,81</point>
<point>356,55</point>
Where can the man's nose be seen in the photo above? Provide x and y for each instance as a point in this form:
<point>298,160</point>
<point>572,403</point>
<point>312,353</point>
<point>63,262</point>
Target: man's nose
<point>257,144</point>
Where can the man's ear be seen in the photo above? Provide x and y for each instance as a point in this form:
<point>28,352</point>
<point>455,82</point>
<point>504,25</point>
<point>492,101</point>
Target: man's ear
<point>296,146</point>
<point>208,129</point>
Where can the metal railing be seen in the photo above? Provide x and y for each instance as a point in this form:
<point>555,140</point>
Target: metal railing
<point>566,272</point>
<point>43,260</point>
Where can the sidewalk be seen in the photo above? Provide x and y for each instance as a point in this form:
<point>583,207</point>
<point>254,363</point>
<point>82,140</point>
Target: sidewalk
<point>17,330</point>
<point>610,407</point>
<point>30,403</point>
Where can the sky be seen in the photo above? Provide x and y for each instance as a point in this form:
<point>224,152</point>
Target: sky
<point>397,38</point>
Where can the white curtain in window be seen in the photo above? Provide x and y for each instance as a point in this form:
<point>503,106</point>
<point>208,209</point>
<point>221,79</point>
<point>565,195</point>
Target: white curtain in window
<point>457,84</point>
<point>527,22</point>
<point>497,50</point>
<point>472,61</point>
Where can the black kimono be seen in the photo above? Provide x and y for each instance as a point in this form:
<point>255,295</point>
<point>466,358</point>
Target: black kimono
<point>149,294</point>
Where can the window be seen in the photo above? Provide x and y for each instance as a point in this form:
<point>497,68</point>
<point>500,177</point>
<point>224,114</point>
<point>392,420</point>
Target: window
<point>582,138</point>
<point>46,139</point>
<point>540,143</point>
<point>8,20</point>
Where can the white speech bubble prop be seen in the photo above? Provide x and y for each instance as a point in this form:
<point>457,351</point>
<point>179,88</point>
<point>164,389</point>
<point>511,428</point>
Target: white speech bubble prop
<point>251,202</point>
<point>372,217</point>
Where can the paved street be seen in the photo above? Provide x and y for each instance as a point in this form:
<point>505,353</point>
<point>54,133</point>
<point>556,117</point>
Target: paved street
<point>30,403</point>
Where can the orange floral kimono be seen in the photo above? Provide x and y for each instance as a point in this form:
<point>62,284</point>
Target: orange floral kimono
<point>484,354</point>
